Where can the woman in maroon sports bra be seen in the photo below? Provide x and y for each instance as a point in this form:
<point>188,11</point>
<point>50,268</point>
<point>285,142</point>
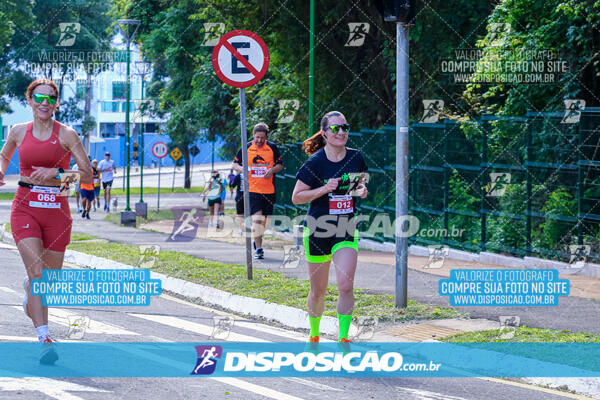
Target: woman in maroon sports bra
<point>40,217</point>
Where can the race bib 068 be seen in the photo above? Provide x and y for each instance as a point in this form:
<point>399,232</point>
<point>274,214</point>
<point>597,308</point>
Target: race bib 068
<point>44,197</point>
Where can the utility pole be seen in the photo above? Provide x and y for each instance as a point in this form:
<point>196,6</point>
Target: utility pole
<point>402,13</point>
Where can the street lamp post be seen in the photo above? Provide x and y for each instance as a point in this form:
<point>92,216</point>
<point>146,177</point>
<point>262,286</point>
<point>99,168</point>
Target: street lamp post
<point>128,28</point>
<point>141,208</point>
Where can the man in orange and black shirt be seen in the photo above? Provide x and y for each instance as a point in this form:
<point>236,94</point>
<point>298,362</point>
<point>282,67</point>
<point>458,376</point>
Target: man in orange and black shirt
<point>264,161</point>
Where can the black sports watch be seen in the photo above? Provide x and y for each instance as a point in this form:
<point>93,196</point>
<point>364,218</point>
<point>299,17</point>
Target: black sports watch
<point>60,171</point>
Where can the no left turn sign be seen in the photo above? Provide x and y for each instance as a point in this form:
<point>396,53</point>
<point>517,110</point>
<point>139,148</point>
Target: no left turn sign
<point>241,58</point>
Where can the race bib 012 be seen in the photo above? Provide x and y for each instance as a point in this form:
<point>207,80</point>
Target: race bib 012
<point>341,204</point>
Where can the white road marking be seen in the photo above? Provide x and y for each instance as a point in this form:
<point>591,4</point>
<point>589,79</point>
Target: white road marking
<point>96,327</point>
<point>7,290</point>
<point>250,387</point>
<point>270,330</point>
<point>194,327</point>
<point>6,338</point>
<point>33,338</point>
<point>245,323</point>
<point>50,387</point>
<point>60,317</point>
<point>312,384</point>
<point>427,395</point>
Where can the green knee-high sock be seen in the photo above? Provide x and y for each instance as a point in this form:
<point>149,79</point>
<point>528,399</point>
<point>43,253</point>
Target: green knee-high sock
<point>314,325</point>
<point>344,324</point>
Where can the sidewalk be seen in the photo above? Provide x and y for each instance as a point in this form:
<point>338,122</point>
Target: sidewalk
<point>375,273</point>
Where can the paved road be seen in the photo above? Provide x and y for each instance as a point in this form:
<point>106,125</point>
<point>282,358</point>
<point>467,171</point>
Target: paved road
<point>572,313</point>
<point>172,319</point>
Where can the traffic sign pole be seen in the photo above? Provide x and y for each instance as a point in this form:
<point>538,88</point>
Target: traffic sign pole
<point>194,150</point>
<point>241,71</point>
<point>175,155</point>
<point>245,180</point>
<point>159,164</point>
<point>160,151</point>
<point>174,170</point>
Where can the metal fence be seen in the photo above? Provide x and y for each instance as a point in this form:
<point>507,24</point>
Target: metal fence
<point>515,185</point>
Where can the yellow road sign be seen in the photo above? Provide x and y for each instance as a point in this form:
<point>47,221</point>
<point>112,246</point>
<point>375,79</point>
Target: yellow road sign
<point>176,154</point>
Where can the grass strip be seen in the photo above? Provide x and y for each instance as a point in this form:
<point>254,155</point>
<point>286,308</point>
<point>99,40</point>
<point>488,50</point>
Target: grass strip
<point>82,236</point>
<point>523,334</point>
<point>152,216</point>
<point>153,190</point>
<point>267,285</point>
<point>533,339</point>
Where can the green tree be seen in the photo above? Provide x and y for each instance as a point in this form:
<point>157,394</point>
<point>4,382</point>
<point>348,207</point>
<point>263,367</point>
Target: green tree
<point>38,41</point>
<point>16,16</point>
<point>555,233</point>
<point>506,232</point>
<point>567,28</point>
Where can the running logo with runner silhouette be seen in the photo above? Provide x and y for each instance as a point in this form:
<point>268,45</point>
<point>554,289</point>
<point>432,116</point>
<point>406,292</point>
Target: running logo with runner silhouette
<point>185,226</point>
<point>358,33</point>
<point>212,33</point>
<point>573,110</point>
<point>68,33</point>
<point>287,111</point>
<point>431,112</point>
<point>207,359</point>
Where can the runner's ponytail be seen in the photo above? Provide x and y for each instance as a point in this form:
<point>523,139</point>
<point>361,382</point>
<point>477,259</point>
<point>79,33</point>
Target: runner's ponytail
<point>317,141</point>
<point>314,143</point>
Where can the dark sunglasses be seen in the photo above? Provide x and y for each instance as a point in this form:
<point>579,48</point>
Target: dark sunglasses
<point>336,128</point>
<point>39,98</point>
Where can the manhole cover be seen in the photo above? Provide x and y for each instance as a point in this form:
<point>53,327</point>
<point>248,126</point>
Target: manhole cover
<point>421,332</point>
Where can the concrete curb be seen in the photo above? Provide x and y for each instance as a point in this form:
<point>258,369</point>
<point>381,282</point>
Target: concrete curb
<point>586,386</point>
<point>289,316</point>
